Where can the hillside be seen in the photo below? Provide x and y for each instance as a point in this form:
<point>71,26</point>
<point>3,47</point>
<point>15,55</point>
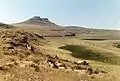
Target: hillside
<point>50,29</point>
<point>39,50</point>
<point>24,57</point>
<point>6,26</point>
<point>36,20</point>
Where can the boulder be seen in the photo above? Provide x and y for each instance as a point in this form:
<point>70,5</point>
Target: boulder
<point>90,71</point>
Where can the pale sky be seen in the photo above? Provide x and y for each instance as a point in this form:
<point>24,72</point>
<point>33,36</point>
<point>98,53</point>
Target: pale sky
<point>89,13</point>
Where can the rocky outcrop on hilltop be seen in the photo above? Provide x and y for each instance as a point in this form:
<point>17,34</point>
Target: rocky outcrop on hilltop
<point>37,20</point>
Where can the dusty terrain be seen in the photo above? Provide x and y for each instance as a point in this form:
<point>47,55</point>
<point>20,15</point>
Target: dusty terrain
<point>47,52</point>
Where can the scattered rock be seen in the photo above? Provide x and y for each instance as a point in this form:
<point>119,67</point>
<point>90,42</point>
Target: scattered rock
<point>38,35</point>
<point>117,45</point>
<point>19,42</point>
<point>84,63</point>
<point>56,62</point>
<point>51,64</point>
<point>81,63</point>
<point>101,71</point>
<point>70,34</point>
<point>96,71</point>
<point>37,69</point>
<point>90,71</point>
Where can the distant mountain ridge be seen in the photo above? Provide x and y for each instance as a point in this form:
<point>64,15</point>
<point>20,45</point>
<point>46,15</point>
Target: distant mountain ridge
<point>37,21</point>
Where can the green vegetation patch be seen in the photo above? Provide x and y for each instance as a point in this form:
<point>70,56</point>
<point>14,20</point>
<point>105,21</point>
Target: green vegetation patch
<point>89,54</point>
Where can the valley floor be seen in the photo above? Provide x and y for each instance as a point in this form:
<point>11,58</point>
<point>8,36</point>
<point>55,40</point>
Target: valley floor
<point>104,47</point>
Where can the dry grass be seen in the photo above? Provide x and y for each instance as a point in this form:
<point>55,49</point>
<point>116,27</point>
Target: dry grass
<point>102,47</point>
<point>53,48</point>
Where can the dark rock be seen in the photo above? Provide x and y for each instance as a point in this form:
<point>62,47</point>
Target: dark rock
<point>56,57</point>
<point>81,63</point>
<point>70,34</point>
<point>40,36</point>
<point>45,19</point>
<point>103,71</point>
<point>51,60</point>
<point>1,68</point>
<point>90,71</point>
<point>84,63</point>
<point>96,71</point>
<point>117,45</point>
<point>37,69</point>
<point>36,18</point>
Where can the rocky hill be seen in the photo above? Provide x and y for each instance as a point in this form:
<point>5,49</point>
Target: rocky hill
<point>23,59</point>
<point>49,29</point>
<point>39,52</point>
<point>37,20</point>
<point>6,26</point>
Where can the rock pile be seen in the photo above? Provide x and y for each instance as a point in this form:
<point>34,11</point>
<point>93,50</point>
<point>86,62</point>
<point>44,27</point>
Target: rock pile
<point>55,62</point>
<point>19,64</point>
<point>117,45</point>
<point>17,42</point>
